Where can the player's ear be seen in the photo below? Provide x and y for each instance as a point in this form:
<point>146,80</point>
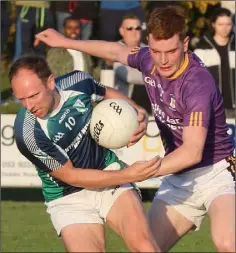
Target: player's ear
<point>186,42</point>
<point>51,82</point>
<point>121,31</point>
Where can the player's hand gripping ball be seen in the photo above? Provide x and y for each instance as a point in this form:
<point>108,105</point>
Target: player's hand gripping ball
<point>113,123</point>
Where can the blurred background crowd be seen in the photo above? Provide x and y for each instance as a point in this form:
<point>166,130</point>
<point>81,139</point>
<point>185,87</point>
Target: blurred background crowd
<point>210,25</point>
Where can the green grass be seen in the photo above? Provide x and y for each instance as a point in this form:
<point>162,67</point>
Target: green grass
<point>26,227</point>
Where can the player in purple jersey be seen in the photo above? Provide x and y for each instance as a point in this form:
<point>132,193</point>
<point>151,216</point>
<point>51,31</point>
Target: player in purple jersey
<point>189,112</point>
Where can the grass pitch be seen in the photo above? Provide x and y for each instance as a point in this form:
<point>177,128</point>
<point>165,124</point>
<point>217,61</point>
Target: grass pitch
<point>26,227</point>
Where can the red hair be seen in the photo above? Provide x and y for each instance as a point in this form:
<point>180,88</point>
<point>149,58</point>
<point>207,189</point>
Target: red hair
<point>165,22</point>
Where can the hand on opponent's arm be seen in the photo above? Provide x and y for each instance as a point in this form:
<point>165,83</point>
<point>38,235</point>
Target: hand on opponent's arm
<point>92,178</point>
<point>108,50</point>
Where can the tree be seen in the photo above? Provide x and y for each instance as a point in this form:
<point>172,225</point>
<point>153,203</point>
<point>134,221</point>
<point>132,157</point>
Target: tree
<point>198,13</point>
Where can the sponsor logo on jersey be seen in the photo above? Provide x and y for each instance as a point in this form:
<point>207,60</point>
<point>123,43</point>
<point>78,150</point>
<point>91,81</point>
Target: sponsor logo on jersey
<point>150,81</point>
<point>80,106</point>
<point>63,116</point>
<point>75,143</point>
<point>172,123</point>
<point>161,91</point>
<point>172,102</point>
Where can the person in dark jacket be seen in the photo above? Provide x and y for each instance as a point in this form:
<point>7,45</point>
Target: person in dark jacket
<point>61,10</point>
<point>129,81</point>
<point>217,51</point>
<point>5,24</point>
<point>31,18</point>
<point>110,18</point>
<point>86,12</point>
<point>72,59</point>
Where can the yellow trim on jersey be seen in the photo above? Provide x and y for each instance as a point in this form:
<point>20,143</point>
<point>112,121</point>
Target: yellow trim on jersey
<point>153,70</point>
<point>200,119</point>
<point>195,119</point>
<point>191,119</point>
<point>182,68</point>
<point>134,50</point>
<point>231,161</point>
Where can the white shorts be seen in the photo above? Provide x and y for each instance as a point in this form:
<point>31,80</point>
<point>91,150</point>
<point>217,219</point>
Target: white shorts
<point>192,192</point>
<point>85,206</point>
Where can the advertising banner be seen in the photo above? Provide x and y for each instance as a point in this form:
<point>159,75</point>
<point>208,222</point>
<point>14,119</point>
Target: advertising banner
<point>17,171</point>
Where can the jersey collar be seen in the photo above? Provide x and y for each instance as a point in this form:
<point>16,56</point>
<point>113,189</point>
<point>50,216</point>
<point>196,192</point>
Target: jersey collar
<point>182,68</point>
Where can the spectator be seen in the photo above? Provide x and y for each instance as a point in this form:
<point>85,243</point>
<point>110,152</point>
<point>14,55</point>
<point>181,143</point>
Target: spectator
<point>233,19</point>
<point>72,59</point>
<point>5,24</point>
<point>111,13</point>
<point>31,18</point>
<point>86,12</point>
<point>62,10</point>
<point>217,50</point>
<point>128,80</point>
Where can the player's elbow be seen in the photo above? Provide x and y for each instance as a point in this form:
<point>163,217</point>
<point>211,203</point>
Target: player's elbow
<point>73,178</point>
<point>69,179</point>
<point>68,174</point>
<point>198,159</point>
<point>121,54</point>
<point>196,156</point>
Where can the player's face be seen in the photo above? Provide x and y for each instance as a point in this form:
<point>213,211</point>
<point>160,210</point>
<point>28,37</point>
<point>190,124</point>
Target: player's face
<point>168,55</point>
<point>72,29</point>
<point>130,31</point>
<point>223,26</point>
<point>36,96</point>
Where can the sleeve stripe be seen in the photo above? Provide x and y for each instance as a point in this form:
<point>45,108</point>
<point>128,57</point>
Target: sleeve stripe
<point>200,119</point>
<point>30,142</point>
<point>72,78</point>
<point>191,119</point>
<point>134,50</point>
<point>195,119</point>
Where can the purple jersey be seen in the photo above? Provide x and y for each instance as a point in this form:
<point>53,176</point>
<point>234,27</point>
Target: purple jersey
<point>189,98</point>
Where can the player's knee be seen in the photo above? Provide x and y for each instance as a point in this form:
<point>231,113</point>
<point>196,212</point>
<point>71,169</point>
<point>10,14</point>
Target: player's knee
<point>99,245</point>
<point>225,244</point>
<point>142,242</point>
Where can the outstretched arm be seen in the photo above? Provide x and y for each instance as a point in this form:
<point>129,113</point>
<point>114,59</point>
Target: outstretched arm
<point>128,74</point>
<point>91,178</point>
<point>108,50</point>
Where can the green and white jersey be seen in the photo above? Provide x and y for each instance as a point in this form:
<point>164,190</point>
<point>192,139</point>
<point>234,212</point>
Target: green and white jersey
<point>64,135</point>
